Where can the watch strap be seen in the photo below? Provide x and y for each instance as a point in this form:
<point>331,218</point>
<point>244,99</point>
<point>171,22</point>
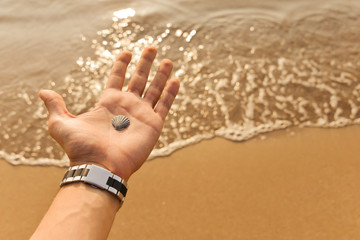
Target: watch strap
<point>98,177</point>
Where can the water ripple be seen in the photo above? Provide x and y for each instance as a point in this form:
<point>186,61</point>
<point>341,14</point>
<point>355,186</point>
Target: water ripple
<point>241,74</point>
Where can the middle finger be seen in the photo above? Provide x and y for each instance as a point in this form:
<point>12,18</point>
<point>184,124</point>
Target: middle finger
<point>138,80</point>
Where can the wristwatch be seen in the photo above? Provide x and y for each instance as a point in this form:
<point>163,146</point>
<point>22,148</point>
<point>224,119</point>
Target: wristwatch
<point>97,177</point>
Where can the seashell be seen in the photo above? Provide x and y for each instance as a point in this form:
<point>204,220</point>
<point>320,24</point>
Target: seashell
<point>120,122</point>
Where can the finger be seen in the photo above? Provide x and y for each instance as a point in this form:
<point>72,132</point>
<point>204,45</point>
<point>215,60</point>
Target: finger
<point>118,71</point>
<point>155,89</point>
<point>54,103</point>
<point>138,81</point>
<point>167,98</point>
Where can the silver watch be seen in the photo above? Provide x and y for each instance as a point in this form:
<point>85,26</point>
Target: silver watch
<point>98,177</point>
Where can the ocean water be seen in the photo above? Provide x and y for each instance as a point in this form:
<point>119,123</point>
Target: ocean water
<point>246,67</point>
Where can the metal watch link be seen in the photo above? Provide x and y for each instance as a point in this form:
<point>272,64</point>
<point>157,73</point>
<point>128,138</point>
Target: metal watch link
<point>98,177</point>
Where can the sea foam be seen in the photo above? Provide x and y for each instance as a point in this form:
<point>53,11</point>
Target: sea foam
<point>240,77</point>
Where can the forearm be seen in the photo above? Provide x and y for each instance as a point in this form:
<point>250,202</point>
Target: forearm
<point>79,211</point>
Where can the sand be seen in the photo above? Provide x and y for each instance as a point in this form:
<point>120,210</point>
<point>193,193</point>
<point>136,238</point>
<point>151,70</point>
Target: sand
<point>297,184</point>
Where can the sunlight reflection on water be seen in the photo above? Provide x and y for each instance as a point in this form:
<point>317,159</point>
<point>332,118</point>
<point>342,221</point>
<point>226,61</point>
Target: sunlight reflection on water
<point>241,76</point>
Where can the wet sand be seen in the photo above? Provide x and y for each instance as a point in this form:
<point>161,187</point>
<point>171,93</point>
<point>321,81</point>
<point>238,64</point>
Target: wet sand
<point>288,186</point>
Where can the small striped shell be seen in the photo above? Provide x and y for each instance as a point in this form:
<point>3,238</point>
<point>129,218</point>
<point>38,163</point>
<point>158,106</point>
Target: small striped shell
<point>120,122</point>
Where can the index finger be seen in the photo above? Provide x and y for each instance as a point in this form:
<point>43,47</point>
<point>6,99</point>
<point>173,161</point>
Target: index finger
<point>118,71</point>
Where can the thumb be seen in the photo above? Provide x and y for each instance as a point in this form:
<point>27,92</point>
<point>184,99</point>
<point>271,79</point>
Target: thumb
<point>54,103</point>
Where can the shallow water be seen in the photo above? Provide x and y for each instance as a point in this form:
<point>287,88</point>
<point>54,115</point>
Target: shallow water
<point>246,68</point>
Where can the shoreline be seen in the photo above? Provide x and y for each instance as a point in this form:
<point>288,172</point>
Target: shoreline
<point>293,186</point>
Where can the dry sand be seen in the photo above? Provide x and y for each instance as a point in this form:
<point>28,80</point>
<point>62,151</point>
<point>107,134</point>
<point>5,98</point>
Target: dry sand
<point>301,186</point>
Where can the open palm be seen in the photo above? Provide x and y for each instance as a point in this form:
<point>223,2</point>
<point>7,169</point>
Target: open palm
<point>91,138</point>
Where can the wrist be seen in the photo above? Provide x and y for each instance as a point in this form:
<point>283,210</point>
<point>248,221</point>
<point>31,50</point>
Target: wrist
<point>121,171</point>
<point>98,177</point>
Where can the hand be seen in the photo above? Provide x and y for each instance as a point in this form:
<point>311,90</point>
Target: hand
<point>91,138</point>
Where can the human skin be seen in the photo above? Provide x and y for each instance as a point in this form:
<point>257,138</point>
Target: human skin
<point>79,210</point>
